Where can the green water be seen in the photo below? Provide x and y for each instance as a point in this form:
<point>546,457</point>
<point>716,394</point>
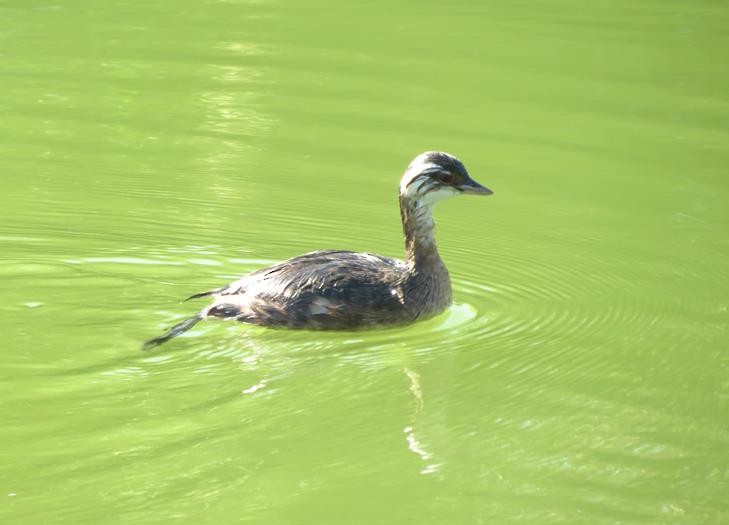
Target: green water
<point>151,150</point>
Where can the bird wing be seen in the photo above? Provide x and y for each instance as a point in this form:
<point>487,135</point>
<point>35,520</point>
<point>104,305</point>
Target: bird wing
<point>330,272</point>
<point>324,289</point>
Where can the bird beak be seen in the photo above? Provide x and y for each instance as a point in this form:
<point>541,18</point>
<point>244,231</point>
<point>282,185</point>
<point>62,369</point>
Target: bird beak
<point>474,188</point>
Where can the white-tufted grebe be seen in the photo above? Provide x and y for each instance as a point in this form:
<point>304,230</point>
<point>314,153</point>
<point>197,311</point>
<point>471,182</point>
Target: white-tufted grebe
<point>342,290</point>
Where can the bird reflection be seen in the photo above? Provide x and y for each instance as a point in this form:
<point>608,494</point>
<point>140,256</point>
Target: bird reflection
<point>415,443</point>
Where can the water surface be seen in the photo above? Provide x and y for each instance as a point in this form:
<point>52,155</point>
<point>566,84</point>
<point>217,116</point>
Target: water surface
<point>151,151</point>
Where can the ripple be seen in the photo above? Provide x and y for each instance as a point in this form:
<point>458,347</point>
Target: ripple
<point>522,303</point>
<point>532,314</point>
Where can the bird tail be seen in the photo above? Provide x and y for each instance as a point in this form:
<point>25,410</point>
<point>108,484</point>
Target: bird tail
<point>176,330</point>
<point>201,294</point>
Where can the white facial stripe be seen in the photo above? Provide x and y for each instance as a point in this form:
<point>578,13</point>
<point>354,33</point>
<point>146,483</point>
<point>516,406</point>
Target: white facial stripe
<point>434,196</point>
<point>417,167</point>
<point>426,190</point>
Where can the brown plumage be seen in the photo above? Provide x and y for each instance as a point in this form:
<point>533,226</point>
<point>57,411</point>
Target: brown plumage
<point>343,290</point>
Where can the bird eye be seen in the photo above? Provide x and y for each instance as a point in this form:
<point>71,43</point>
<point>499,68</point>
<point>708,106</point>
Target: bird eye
<point>446,178</point>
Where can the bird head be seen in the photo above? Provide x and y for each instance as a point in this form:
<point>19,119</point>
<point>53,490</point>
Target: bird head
<point>435,175</point>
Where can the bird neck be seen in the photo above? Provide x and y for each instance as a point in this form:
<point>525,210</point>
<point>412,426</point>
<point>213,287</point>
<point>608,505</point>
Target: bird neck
<point>419,229</point>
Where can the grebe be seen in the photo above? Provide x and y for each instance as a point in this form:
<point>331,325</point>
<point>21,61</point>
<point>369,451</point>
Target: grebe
<point>343,290</point>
